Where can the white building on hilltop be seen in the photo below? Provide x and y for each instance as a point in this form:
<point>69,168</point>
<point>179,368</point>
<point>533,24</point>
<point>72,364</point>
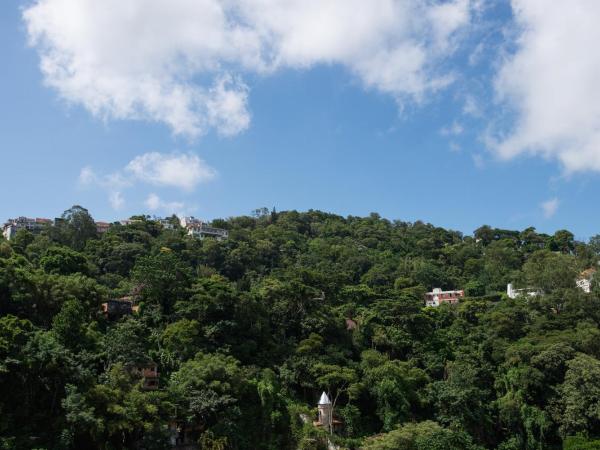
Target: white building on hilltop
<point>437,297</point>
<point>199,229</point>
<point>166,223</point>
<point>24,223</point>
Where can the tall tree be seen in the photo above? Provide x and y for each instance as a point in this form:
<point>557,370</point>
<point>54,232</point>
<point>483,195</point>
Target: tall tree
<point>77,226</point>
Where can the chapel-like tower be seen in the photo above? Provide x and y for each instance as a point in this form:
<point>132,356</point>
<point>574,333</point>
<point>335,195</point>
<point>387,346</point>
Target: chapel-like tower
<point>325,410</point>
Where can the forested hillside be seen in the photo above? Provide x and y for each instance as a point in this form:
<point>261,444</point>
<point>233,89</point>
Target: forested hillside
<point>247,332</point>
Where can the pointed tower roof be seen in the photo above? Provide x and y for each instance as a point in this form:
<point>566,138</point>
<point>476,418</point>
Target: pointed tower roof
<point>324,400</point>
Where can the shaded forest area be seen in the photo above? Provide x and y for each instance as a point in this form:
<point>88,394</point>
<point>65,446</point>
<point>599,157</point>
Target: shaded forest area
<point>244,334</point>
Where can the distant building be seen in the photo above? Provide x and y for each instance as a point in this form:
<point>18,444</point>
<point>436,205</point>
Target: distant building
<point>325,411</point>
<point>9,231</point>
<point>147,371</point>
<point>12,226</point>
<point>437,297</point>
<point>185,436</point>
<point>149,374</point>
<point>119,307</point>
<point>102,227</point>
<point>199,229</point>
<point>527,292</point>
<point>167,223</point>
<point>351,325</point>
<point>326,418</point>
<point>130,221</point>
<point>584,281</point>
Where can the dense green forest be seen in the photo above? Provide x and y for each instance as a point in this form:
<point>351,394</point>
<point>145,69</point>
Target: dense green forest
<point>247,332</point>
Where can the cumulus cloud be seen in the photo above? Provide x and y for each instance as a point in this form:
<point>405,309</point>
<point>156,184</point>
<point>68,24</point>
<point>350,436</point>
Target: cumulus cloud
<point>552,83</point>
<point>181,62</point>
<point>155,203</point>
<point>179,170</point>
<point>87,176</point>
<point>112,184</point>
<point>183,171</point>
<point>471,107</point>
<point>455,129</point>
<point>116,200</point>
<point>478,160</point>
<point>549,207</point>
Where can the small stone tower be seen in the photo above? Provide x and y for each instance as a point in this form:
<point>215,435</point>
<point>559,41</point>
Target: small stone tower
<point>325,411</point>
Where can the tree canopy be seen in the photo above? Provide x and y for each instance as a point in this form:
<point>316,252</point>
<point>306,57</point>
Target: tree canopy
<point>242,335</point>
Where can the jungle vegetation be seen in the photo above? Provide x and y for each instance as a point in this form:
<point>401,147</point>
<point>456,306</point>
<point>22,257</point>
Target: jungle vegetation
<point>247,332</point>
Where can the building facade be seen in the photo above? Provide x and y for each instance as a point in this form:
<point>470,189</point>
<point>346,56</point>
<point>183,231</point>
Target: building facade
<point>166,224</point>
<point>527,292</point>
<point>437,297</point>
<point>12,226</point>
<point>200,229</point>
<point>584,282</point>
<point>102,227</point>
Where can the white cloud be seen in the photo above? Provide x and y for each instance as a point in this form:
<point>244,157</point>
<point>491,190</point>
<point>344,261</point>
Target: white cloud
<point>87,176</point>
<point>455,129</point>
<point>154,203</point>
<point>471,106</point>
<point>179,62</point>
<point>116,200</point>
<point>549,207</point>
<point>478,160</point>
<point>184,171</point>
<point>112,184</point>
<point>454,147</point>
<point>552,82</point>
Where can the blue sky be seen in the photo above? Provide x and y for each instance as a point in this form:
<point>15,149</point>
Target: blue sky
<point>466,119</point>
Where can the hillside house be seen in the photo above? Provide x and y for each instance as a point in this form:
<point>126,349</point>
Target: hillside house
<point>184,436</point>
<point>119,307</point>
<point>527,292</point>
<point>436,297</point>
<point>584,281</point>
<point>12,226</point>
<point>200,229</point>
<point>102,227</point>
<point>149,374</point>
<point>166,224</point>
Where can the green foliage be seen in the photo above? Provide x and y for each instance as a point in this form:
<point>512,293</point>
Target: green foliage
<point>63,261</point>
<point>75,228</point>
<point>162,279</point>
<point>580,395</point>
<point>581,443</point>
<point>426,435</point>
<point>247,332</point>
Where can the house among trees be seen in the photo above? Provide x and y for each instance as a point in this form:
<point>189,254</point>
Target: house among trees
<point>437,297</point>
<point>166,223</point>
<point>584,281</point>
<point>149,374</point>
<point>10,228</point>
<point>184,436</point>
<point>200,229</point>
<point>119,307</point>
<point>351,324</point>
<point>528,292</point>
<point>102,227</point>
<point>34,226</point>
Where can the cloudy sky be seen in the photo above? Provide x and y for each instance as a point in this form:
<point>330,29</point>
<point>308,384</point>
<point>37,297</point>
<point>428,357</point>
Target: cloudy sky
<point>457,112</point>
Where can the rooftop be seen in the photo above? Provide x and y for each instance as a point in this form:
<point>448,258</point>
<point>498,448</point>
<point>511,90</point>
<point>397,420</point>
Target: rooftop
<point>324,400</point>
